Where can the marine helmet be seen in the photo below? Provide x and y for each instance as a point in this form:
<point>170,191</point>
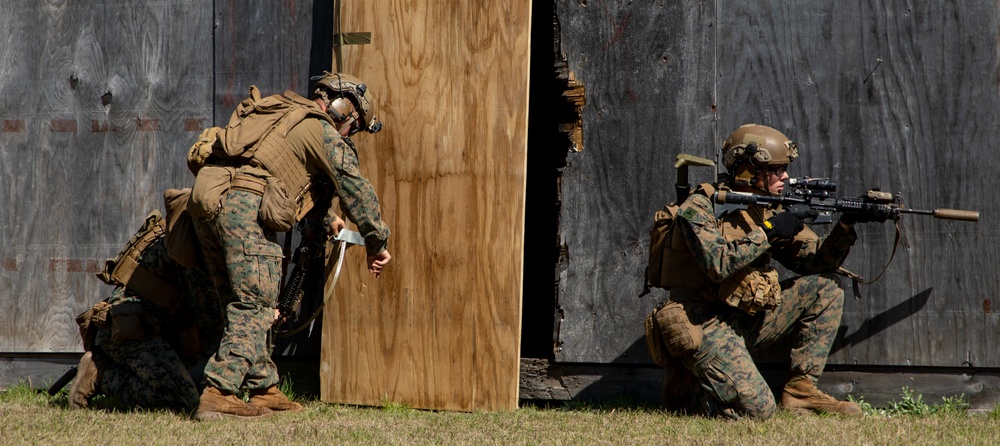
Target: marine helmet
<point>753,146</point>
<point>332,86</point>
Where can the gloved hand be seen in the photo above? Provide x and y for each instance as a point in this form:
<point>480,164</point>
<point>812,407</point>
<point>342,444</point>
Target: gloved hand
<point>786,225</point>
<point>869,212</point>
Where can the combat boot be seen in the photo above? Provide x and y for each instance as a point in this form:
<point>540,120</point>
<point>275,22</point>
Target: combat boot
<point>273,399</point>
<point>214,405</point>
<point>680,388</point>
<point>801,393</point>
<point>85,384</point>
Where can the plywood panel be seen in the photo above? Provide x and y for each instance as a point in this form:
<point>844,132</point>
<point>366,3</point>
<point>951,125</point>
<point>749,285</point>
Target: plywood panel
<point>901,96</point>
<point>100,100</point>
<point>268,44</point>
<point>648,73</point>
<point>440,328</point>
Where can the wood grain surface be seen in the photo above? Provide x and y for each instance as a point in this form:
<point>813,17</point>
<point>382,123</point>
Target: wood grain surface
<point>440,328</point>
<point>901,96</point>
<point>100,102</point>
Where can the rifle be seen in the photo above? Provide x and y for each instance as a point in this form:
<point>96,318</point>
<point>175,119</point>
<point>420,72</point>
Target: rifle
<point>311,247</point>
<point>820,194</point>
<point>62,381</point>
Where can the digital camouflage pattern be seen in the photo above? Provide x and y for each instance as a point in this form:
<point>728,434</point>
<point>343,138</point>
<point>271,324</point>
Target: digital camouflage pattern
<point>154,368</point>
<point>245,261</point>
<point>719,257</point>
<point>357,195</point>
<point>728,382</point>
<point>244,257</point>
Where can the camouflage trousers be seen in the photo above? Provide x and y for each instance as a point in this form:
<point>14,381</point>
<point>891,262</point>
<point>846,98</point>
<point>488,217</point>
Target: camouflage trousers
<point>144,373</point>
<point>244,261</point>
<point>728,382</point>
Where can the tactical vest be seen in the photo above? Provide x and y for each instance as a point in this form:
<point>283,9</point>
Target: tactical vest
<point>274,133</point>
<point>752,289</point>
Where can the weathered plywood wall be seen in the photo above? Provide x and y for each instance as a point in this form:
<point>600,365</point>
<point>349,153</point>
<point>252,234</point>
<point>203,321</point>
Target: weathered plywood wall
<point>440,328</point>
<point>900,95</point>
<point>100,101</point>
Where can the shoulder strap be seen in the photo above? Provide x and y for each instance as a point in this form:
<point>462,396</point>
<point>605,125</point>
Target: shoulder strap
<point>256,117</point>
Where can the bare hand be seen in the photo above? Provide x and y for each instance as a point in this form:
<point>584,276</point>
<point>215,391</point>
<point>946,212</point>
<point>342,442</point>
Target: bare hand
<point>336,226</point>
<point>377,262</point>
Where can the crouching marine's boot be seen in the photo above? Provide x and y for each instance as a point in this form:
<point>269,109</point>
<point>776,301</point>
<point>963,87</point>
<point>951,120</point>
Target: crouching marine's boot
<point>273,399</point>
<point>801,393</point>
<point>680,388</point>
<point>85,384</point>
<point>215,404</point>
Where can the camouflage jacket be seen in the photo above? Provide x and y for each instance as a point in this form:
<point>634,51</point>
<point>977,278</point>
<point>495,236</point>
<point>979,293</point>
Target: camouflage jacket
<point>357,195</point>
<point>726,245</point>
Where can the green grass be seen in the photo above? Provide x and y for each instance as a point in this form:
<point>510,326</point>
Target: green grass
<point>30,417</point>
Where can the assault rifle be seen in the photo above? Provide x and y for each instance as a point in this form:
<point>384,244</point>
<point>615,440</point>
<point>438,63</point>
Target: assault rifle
<point>311,247</point>
<point>820,195</point>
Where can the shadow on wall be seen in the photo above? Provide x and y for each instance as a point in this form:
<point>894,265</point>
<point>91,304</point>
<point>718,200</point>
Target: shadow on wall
<point>632,378</point>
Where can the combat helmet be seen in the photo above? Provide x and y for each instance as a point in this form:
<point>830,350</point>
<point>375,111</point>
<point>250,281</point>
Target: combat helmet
<point>331,86</point>
<point>753,146</point>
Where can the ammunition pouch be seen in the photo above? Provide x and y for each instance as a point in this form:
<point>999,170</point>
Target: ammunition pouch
<point>752,289</point>
<point>92,320</point>
<point>211,184</point>
<point>654,340</point>
<point>669,332</point>
<point>128,322</point>
<point>681,336</point>
<point>277,210</point>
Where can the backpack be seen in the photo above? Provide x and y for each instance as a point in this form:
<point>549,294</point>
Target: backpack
<point>252,121</point>
<point>659,240</point>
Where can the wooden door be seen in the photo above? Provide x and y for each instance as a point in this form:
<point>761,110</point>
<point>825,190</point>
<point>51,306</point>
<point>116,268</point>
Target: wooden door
<point>440,329</point>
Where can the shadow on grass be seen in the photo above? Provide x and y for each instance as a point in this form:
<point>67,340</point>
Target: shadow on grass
<point>615,404</point>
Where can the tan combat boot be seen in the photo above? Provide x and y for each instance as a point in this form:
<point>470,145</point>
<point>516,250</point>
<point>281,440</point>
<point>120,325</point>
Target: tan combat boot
<point>215,405</point>
<point>680,387</point>
<point>801,393</point>
<point>85,384</point>
<point>273,399</point>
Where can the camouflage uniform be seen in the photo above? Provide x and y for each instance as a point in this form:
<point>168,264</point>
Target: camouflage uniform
<point>809,309</point>
<point>245,259</point>
<point>153,367</point>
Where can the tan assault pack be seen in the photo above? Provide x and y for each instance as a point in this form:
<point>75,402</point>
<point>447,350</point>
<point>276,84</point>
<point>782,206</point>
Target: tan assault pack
<point>252,121</point>
<point>668,331</point>
<point>662,233</point>
<point>659,239</point>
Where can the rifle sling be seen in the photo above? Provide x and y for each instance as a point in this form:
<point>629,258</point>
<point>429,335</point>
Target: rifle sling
<point>858,280</point>
<point>326,296</point>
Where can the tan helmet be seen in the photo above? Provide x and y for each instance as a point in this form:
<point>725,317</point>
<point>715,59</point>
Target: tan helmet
<point>331,86</point>
<point>753,146</point>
